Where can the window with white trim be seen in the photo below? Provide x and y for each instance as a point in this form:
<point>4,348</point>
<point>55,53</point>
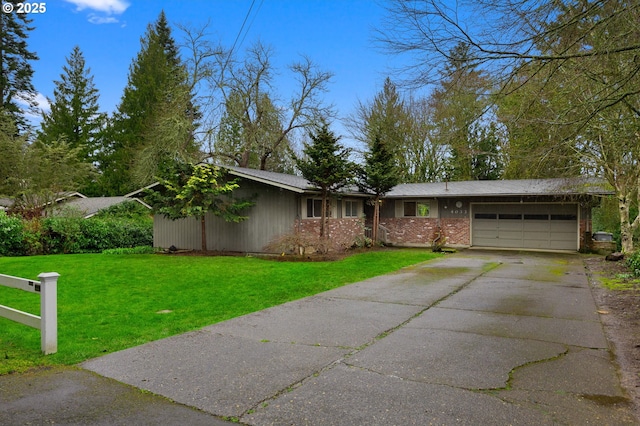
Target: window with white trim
<point>350,208</point>
<point>314,207</point>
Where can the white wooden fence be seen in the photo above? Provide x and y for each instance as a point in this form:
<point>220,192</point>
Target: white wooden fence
<point>47,322</point>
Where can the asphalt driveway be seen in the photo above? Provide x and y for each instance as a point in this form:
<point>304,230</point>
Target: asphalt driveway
<point>477,337</point>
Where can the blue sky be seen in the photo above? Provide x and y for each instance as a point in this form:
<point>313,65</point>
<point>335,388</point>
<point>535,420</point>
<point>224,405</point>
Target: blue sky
<point>335,34</point>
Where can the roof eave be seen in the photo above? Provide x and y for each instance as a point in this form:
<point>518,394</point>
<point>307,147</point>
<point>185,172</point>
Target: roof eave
<point>268,182</point>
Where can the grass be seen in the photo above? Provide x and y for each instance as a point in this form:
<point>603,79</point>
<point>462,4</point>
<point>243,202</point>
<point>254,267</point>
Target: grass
<point>621,282</point>
<point>111,302</point>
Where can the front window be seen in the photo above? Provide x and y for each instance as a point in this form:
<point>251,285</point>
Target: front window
<point>314,207</point>
<point>416,208</point>
<point>350,209</point>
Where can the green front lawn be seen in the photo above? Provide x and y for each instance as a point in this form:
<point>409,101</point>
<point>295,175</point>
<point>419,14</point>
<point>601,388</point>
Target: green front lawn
<point>111,302</point>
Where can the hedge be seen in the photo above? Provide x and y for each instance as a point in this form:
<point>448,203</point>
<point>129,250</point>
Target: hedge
<point>57,235</point>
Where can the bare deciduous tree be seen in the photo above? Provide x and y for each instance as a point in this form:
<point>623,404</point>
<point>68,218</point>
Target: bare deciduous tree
<point>247,92</point>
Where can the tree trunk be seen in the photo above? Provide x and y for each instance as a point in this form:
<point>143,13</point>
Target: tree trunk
<point>323,215</point>
<point>627,226</point>
<point>203,229</point>
<point>376,219</point>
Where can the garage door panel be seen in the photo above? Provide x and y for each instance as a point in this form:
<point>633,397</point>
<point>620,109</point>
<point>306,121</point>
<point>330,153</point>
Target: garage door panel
<point>510,235</point>
<point>536,236</point>
<point>535,226</point>
<point>485,234</point>
<point>563,237</point>
<point>563,226</point>
<point>510,225</point>
<point>536,244</point>
<point>564,245</point>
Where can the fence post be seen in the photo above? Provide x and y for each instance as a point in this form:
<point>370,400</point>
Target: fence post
<point>49,312</point>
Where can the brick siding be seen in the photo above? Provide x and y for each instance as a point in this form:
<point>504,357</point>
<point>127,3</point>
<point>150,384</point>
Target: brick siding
<point>344,232</point>
<point>422,231</point>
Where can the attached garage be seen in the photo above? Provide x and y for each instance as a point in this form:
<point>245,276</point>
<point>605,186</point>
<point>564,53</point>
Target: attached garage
<point>528,214</point>
<point>552,226</point>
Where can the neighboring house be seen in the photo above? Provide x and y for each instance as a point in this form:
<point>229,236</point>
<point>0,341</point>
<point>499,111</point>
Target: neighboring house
<point>86,206</point>
<point>525,214</point>
<point>90,206</point>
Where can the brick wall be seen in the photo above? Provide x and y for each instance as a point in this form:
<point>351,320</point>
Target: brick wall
<point>457,231</point>
<point>584,225</point>
<point>422,231</point>
<point>343,232</point>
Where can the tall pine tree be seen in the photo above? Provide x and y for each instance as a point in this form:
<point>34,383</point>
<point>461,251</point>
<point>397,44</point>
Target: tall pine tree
<point>75,114</point>
<point>157,94</point>
<point>15,67</point>
<point>378,175</point>
<point>326,165</point>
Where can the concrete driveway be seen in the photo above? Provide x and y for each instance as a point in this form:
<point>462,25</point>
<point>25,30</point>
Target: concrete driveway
<point>479,337</point>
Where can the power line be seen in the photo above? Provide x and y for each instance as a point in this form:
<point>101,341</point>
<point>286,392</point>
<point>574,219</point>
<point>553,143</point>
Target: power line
<point>244,22</point>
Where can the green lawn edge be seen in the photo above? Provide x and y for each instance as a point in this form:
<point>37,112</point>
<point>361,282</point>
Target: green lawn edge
<point>108,303</point>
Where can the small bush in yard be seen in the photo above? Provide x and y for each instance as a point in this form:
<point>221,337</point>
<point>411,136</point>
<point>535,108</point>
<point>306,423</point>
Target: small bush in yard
<point>11,234</point>
<point>634,263</point>
<point>62,235</point>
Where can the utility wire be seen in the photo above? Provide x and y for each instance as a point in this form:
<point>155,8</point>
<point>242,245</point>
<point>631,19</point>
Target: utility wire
<point>244,22</point>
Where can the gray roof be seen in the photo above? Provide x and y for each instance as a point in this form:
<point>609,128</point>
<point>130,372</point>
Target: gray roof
<point>280,180</point>
<point>482,188</point>
<point>286,181</point>
<point>90,206</point>
<point>524,187</point>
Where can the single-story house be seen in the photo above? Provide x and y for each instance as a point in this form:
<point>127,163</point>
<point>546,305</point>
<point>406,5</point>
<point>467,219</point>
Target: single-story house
<point>284,204</point>
<point>524,214</point>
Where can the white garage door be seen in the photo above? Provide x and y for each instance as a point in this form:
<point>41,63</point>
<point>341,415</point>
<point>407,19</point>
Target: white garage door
<point>529,226</point>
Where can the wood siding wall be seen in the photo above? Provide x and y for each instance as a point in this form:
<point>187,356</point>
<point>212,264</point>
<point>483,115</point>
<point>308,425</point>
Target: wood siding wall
<point>273,214</point>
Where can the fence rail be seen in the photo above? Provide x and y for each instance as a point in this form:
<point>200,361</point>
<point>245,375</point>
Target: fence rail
<point>47,322</point>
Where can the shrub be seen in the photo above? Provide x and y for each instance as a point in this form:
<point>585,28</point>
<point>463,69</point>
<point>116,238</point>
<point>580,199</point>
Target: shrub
<point>634,263</point>
<point>62,235</point>
<point>32,237</point>
<point>57,235</point>
<point>11,235</point>
<point>127,210</point>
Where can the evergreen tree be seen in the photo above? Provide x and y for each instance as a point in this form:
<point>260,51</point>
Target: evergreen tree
<point>74,114</point>
<point>388,118</point>
<point>15,69</point>
<point>12,149</point>
<point>378,176</point>
<point>326,165</point>
<point>157,81</point>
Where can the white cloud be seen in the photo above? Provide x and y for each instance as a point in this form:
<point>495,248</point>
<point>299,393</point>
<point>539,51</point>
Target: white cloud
<point>98,19</point>
<point>103,11</point>
<point>42,104</point>
<point>111,7</point>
